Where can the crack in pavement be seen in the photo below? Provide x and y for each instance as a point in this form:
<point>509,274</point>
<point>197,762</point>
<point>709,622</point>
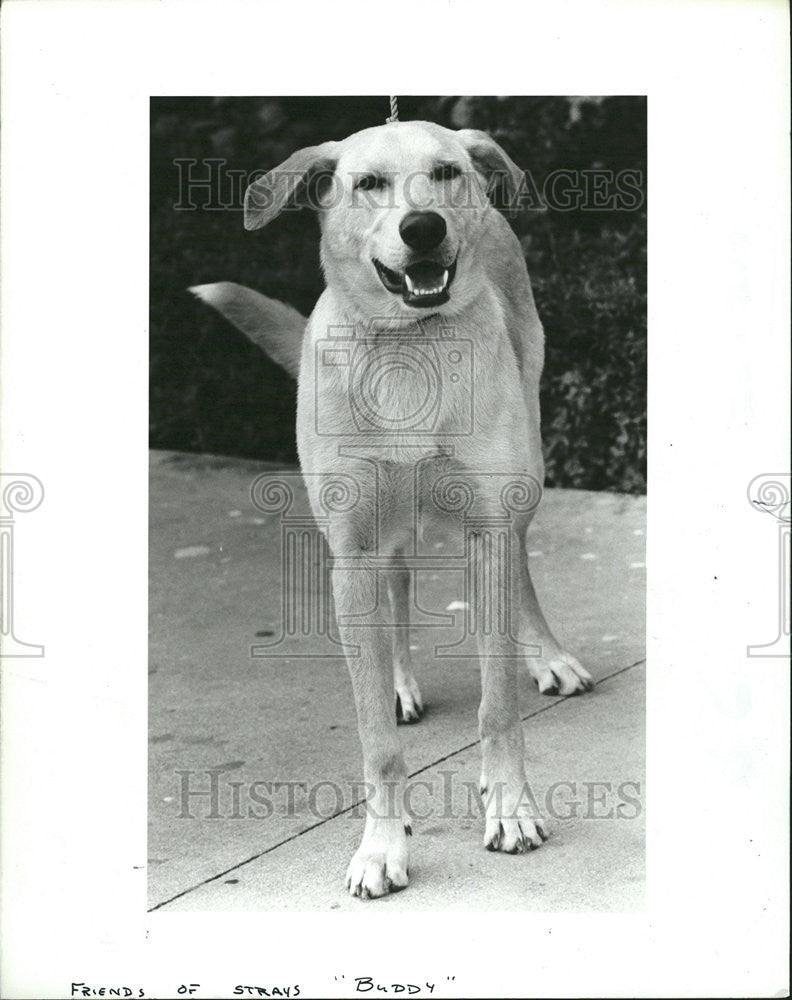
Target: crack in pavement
<point>557,700</point>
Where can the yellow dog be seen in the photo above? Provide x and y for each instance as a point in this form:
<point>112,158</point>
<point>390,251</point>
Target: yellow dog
<point>418,375</point>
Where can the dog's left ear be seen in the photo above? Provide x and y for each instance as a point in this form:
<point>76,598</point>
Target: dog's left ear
<point>296,182</point>
<point>502,177</point>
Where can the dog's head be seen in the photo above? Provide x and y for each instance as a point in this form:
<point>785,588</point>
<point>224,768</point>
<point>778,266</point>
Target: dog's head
<point>401,206</point>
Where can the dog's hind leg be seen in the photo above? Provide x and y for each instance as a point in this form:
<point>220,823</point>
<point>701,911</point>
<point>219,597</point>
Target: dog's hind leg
<point>555,671</point>
<point>409,704</point>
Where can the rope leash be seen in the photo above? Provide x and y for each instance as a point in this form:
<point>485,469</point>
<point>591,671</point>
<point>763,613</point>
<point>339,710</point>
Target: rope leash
<point>394,111</point>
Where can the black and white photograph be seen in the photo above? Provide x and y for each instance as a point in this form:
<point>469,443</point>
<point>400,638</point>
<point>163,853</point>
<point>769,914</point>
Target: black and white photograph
<point>395,499</point>
<point>354,567</point>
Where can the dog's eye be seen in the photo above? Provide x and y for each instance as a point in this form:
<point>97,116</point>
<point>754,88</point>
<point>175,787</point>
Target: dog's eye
<point>370,182</point>
<point>445,172</point>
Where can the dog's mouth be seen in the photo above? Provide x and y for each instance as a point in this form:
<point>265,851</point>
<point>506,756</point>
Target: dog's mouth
<point>423,284</point>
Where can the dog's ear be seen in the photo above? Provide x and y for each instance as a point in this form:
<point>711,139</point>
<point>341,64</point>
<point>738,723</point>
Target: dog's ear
<point>502,177</point>
<point>296,182</point>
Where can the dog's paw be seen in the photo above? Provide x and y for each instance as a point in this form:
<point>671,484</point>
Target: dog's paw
<point>380,865</point>
<point>560,674</point>
<point>513,824</point>
<point>514,832</point>
<point>409,705</point>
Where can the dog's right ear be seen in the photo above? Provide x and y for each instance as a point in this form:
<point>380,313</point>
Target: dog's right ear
<point>296,182</point>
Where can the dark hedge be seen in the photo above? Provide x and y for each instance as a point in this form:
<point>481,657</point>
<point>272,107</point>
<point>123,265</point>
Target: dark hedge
<point>211,391</point>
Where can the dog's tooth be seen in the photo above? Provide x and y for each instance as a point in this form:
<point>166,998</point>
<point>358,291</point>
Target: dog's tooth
<point>419,292</point>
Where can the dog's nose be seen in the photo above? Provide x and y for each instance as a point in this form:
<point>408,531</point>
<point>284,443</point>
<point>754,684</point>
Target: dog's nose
<point>422,230</point>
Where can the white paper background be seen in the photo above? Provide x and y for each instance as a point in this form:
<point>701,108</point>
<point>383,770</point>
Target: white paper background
<point>76,84</point>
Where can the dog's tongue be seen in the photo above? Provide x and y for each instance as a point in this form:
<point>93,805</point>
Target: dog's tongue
<point>426,278</point>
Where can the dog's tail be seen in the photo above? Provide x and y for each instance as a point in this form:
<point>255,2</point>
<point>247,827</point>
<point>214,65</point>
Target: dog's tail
<point>273,326</point>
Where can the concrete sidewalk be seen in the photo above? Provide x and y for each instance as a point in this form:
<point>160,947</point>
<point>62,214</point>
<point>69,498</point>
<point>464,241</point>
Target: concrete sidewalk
<point>254,762</point>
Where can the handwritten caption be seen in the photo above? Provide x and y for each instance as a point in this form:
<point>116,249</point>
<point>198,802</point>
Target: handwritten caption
<point>358,984</point>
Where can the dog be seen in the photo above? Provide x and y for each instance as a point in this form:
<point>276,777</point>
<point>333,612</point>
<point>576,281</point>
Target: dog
<point>418,388</point>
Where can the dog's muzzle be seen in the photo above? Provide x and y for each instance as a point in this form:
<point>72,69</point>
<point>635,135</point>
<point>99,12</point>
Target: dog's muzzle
<point>424,284</point>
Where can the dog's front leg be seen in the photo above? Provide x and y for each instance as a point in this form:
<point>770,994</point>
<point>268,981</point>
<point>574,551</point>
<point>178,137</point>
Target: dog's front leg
<point>494,574</point>
<point>380,864</point>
